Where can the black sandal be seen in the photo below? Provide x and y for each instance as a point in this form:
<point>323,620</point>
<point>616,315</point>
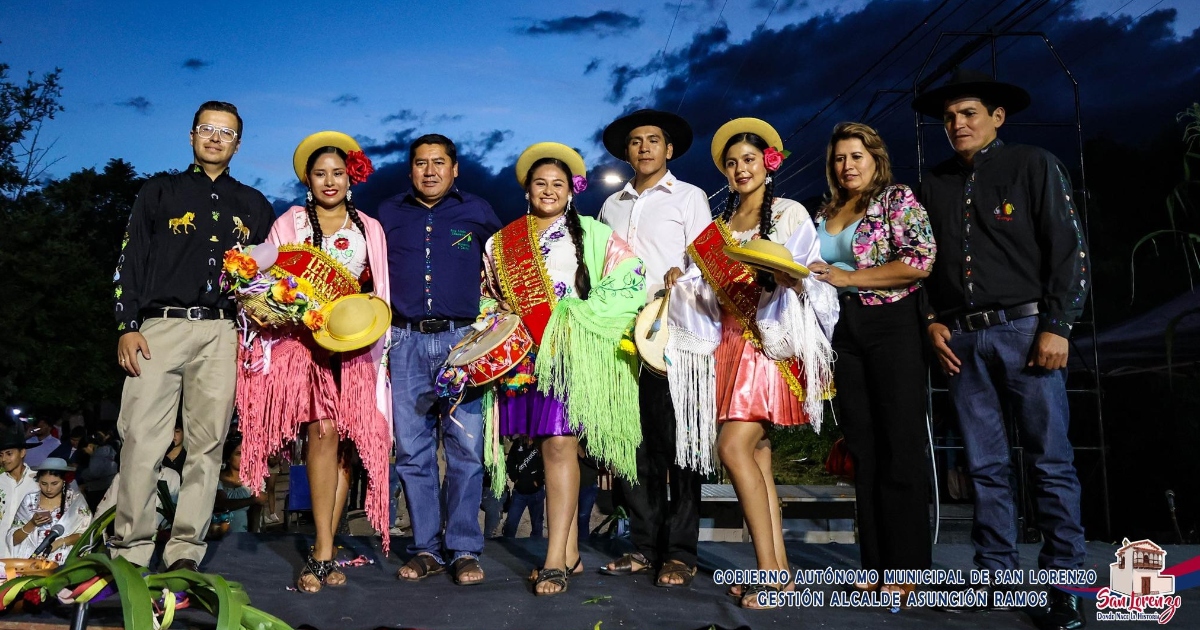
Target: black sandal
<point>463,565</point>
<point>315,568</point>
<point>575,568</point>
<point>672,568</point>
<point>331,567</point>
<point>624,565</point>
<point>424,565</point>
<point>753,590</point>
<point>557,577</point>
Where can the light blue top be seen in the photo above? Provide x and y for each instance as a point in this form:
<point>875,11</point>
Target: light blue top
<point>837,249</point>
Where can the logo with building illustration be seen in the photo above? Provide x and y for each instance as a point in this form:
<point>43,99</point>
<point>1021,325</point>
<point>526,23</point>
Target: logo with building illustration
<point>1138,590</point>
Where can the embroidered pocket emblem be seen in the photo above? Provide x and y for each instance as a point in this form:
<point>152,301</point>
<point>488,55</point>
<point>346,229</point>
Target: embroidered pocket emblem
<point>1004,211</point>
<point>463,241</point>
<point>182,223</point>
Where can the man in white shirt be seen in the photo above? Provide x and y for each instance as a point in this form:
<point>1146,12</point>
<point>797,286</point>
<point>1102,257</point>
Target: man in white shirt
<point>658,215</point>
<point>16,481</point>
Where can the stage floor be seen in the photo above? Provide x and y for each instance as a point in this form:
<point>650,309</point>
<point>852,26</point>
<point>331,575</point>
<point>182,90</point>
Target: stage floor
<point>267,565</point>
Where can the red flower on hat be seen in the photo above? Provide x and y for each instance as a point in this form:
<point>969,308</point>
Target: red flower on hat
<point>358,167</point>
<point>772,158</point>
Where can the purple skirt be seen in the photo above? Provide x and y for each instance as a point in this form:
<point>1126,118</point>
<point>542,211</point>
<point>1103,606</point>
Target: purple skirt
<point>533,414</point>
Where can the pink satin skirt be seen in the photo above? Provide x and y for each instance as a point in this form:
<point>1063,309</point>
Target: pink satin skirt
<point>749,385</point>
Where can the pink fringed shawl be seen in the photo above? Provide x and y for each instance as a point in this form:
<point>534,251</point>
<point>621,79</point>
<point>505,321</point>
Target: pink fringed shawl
<point>363,410</point>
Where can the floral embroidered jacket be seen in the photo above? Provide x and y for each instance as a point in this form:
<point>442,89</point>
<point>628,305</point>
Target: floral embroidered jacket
<point>895,227</point>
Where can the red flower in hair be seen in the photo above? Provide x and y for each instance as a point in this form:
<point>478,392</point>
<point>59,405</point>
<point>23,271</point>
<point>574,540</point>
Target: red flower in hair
<point>358,167</point>
<point>772,158</point>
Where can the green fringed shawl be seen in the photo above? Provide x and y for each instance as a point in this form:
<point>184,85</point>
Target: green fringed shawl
<point>581,361</point>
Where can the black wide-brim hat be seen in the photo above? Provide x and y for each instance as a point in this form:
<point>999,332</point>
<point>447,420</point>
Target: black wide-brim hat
<point>967,82</point>
<point>14,437</point>
<point>674,126</point>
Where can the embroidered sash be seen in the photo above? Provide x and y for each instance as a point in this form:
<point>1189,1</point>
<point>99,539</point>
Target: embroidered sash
<point>739,292</point>
<point>523,277</point>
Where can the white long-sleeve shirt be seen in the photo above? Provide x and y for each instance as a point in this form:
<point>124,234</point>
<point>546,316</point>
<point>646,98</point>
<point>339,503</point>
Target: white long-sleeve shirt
<point>12,492</point>
<point>658,224</point>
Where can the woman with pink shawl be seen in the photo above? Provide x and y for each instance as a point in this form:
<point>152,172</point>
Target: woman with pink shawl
<point>288,385</point>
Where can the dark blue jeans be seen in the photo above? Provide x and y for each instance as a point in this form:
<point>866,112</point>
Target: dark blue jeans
<point>414,361</point>
<point>536,502</point>
<point>995,378</point>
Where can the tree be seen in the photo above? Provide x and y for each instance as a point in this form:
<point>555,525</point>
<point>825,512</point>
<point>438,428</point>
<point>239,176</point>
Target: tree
<point>59,246</point>
<point>23,111</point>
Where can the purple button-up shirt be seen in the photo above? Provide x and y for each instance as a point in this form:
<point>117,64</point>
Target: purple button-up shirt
<point>435,255</point>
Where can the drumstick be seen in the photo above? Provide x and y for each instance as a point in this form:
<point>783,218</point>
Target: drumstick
<point>657,325</point>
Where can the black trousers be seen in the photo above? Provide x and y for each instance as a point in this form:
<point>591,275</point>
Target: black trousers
<point>880,375</point>
<point>660,528</point>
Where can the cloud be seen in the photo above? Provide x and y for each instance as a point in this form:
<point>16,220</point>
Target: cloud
<point>420,118</point>
<point>490,140</point>
<point>600,24</point>
<point>141,104</point>
<point>1133,77</point>
<point>345,99</point>
<point>592,66</point>
<point>781,6</point>
<point>404,115</point>
<point>193,63</point>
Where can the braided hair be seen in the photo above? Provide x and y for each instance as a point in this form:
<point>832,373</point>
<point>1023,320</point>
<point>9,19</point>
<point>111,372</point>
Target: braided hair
<point>310,206</point>
<point>62,496</point>
<point>583,281</point>
<point>766,219</point>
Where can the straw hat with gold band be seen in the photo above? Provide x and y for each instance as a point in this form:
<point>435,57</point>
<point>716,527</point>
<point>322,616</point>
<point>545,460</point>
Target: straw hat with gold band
<point>556,150</point>
<point>316,141</point>
<point>767,255</point>
<point>760,128</point>
<point>353,322</point>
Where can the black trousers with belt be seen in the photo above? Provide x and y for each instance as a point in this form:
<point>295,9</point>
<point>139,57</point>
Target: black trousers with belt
<point>661,528</point>
<point>880,376</point>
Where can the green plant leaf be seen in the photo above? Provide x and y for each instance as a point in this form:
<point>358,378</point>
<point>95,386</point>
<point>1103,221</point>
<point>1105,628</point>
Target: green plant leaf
<point>598,599</point>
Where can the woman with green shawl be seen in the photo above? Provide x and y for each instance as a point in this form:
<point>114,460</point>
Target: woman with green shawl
<point>577,287</point>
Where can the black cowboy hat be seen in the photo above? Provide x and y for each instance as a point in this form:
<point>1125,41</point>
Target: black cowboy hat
<point>676,127</point>
<point>14,437</point>
<point>967,82</point>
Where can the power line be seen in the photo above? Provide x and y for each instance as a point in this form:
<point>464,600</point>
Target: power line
<point>749,50</point>
<point>688,85</point>
<point>663,54</point>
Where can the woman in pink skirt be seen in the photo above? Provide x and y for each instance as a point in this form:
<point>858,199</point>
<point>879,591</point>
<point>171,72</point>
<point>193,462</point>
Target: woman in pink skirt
<point>288,385</point>
<point>749,349</point>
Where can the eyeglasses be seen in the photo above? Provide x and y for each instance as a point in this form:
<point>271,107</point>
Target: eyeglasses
<point>224,134</point>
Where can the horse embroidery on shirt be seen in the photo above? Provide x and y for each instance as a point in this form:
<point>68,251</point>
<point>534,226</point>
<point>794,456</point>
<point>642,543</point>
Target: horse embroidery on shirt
<point>184,222</point>
<point>240,229</point>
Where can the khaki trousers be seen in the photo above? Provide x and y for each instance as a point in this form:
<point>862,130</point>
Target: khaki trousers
<point>196,362</point>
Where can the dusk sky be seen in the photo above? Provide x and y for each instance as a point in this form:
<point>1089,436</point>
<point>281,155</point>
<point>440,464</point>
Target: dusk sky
<point>497,76</point>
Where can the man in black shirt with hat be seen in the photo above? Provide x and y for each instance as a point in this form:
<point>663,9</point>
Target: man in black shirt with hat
<point>178,341</point>
<point>1010,282</point>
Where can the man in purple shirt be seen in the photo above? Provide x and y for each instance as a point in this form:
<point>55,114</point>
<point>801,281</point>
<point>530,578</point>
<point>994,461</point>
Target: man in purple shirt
<point>435,237</point>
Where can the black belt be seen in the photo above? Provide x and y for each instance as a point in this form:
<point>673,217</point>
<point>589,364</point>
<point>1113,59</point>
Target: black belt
<point>191,313</point>
<point>430,326</point>
<point>971,322</point>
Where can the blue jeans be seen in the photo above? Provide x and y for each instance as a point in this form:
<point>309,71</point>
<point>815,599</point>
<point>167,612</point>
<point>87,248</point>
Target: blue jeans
<point>415,360</point>
<point>587,501</point>
<point>492,507</point>
<point>994,377</point>
<point>536,503</point>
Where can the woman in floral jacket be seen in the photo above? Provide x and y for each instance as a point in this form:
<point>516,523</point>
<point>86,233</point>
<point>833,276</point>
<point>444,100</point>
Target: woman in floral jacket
<point>877,242</point>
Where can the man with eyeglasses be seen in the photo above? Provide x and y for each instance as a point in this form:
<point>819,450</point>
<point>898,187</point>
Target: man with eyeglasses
<point>178,341</point>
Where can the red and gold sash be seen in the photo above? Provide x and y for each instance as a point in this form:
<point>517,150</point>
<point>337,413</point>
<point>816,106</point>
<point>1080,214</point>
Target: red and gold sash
<point>738,291</point>
<point>523,277</point>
